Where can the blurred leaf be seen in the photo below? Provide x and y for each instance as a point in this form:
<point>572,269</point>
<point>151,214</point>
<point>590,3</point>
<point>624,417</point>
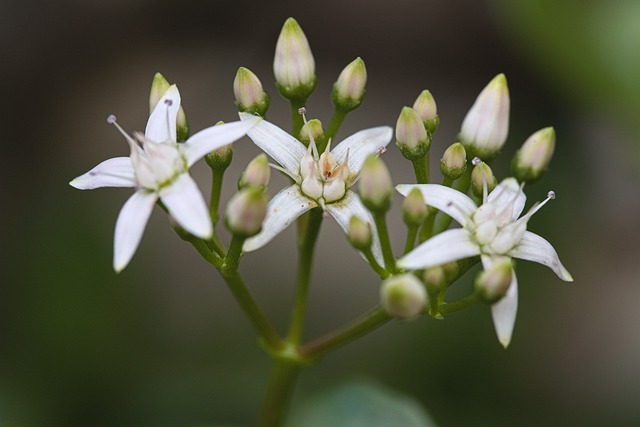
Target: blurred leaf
<point>360,404</point>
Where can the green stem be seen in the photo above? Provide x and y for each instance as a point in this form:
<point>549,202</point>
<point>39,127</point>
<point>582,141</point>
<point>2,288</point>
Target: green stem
<point>385,244</point>
<point>412,232</point>
<point>214,203</point>
<point>282,381</point>
<point>263,327</point>
<point>427,226</point>
<point>306,246</point>
<point>336,122</point>
<point>296,117</point>
<point>374,264</point>
<point>421,169</point>
<point>367,322</point>
<point>461,304</point>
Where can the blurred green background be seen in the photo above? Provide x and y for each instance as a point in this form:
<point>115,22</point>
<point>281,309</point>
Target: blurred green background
<point>163,344</point>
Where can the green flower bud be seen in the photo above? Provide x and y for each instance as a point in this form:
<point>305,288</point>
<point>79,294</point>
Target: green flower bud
<point>245,212</point>
<point>411,136</point>
<point>414,209</point>
<point>250,97</point>
<point>454,161</point>
<point>427,109</point>
<point>481,177</point>
<point>257,174</point>
<point>294,66</point>
<point>348,90</point>
<point>486,125</point>
<point>220,158</point>
<point>435,280</point>
<point>158,87</point>
<point>451,270</point>
<point>317,132</point>
<point>359,233</point>
<point>532,160</point>
<point>376,187</point>
<point>492,284</point>
<point>403,296</point>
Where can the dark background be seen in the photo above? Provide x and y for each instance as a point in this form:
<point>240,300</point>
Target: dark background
<point>163,344</point>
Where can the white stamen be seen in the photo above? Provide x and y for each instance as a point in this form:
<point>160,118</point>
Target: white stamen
<point>476,161</point>
<point>111,119</point>
<point>286,172</point>
<point>551,194</point>
<point>536,207</point>
<point>381,150</point>
<point>302,111</point>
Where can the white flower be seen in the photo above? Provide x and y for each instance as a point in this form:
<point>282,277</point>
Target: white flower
<point>159,169</point>
<point>319,179</point>
<point>492,231</point>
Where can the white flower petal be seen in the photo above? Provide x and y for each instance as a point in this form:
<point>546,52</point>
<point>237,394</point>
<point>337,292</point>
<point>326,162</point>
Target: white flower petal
<point>508,192</point>
<point>351,205</point>
<point>187,206</point>
<point>504,312</point>
<point>161,126</point>
<point>215,137</point>
<point>450,245</point>
<point>284,208</point>
<point>130,225</point>
<point>361,144</point>
<point>535,248</point>
<point>457,205</point>
<point>278,144</point>
<point>115,172</point>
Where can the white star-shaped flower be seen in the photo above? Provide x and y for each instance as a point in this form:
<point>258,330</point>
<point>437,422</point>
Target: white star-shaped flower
<point>323,180</point>
<point>492,231</point>
<point>158,168</point>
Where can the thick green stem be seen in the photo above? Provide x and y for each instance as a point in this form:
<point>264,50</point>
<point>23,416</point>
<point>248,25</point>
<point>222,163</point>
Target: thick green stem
<point>336,122</point>
<point>421,169</point>
<point>367,322</point>
<point>412,232</point>
<point>282,381</point>
<point>385,244</point>
<point>306,245</point>
<point>296,117</point>
<point>374,264</point>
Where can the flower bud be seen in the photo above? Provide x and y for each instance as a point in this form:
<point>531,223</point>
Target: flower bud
<point>454,161</point>
<point>348,90</point>
<point>411,136</point>
<point>485,127</point>
<point>435,280</point>
<point>482,176</point>
<point>257,174</point>
<point>245,212</point>
<point>250,97</point>
<point>359,233</point>
<point>294,66</point>
<point>532,160</point>
<point>427,109</point>
<point>158,87</point>
<point>451,271</point>
<point>492,284</point>
<point>376,187</point>
<point>414,209</point>
<point>403,296</point>
<point>317,132</point>
<point>220,158</point>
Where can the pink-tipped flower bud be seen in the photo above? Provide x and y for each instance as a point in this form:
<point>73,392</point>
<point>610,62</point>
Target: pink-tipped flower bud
<point>414,209</point>
<point>426,107</point>
<point>492,284</point>
<point>375,187</point>
<point>454,161</point>
<point>250,96</point>
<point>411,136</point>
<point>486,125</point>
<point>294,66</point>
<point>403,296</point>
<point>257,174</point>
<point>532,160</point>
<point>245,212</point>
<point>348,90</point>
<point>158,88</point>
